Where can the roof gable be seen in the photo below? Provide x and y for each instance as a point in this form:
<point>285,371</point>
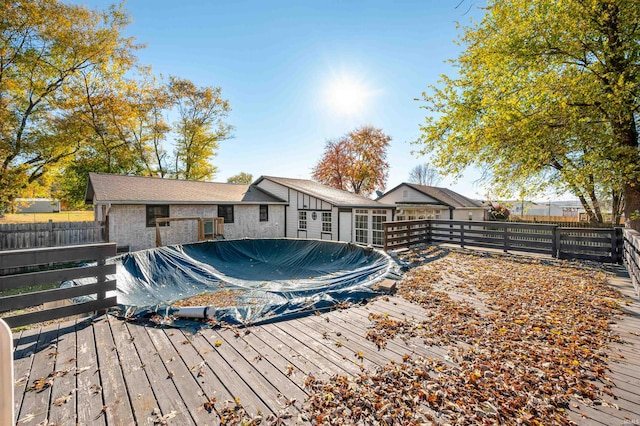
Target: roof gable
<point>444,195</point>
<point>123,189</point>
<point>334,196</point>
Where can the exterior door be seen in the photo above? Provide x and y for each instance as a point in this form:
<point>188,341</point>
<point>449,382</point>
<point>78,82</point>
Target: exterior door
<point>344,230</point>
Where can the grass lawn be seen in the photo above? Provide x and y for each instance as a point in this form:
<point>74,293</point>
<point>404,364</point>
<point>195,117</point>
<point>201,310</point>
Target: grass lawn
<point>70,216</point>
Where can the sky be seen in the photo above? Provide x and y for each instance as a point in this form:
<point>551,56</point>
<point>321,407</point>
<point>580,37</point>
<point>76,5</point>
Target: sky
<point>298,73</point>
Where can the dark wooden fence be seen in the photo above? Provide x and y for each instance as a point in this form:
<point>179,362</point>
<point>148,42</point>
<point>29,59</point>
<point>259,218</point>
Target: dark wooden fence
<point>50,234</point>
<point>604,245</point>
<point>54,266</point>
<point>632,257</point>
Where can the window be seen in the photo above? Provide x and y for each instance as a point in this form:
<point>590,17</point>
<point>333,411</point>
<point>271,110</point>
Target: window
<point>326,221</point>
<point>302,220</point>
<point>377,227</point>
<point>155,212</point>
<point>264,213</point>
<point>226,212</point>
<point>362,227</point>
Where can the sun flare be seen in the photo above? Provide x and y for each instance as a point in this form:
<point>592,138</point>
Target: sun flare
<point>346,95</point>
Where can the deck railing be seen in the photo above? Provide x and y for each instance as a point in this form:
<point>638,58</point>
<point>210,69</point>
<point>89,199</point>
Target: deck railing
<point>632,257</point>
<point>604,245</point>
<point>40,271</point>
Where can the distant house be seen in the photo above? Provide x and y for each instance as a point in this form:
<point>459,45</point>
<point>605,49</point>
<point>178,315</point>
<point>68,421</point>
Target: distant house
<point>414,201</point>
<point>131,204</point>
<point>37,205</point>
<point>314,210</point>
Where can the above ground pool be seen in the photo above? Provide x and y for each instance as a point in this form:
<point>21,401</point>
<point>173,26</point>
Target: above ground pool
<point>268,278</point>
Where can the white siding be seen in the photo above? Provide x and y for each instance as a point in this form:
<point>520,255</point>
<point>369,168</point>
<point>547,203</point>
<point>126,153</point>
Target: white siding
<point>299,201</point>
<point>127,224</point>
<point>275,189</point>
<point>463,214</point>
<point>412,196</point>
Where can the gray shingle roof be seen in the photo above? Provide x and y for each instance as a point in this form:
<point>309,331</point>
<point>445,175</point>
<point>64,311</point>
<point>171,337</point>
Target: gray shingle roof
<point>445,195</point>
<point>122,189</point>
<point>337,197</point>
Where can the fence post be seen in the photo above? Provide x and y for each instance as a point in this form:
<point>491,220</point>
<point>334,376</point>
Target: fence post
<point>51,241</point>
<point>505,230</point>
<point>462,235</point>
<point>429,232</point>
<point>386,236</point>
<point>616,237</point>
<point>101,280</point>
<point>555,244</point>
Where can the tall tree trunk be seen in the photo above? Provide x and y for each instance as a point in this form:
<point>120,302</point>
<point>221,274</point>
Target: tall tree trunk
<point>632,205</point>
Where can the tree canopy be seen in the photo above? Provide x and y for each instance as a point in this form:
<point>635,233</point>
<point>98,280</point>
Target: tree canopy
<point>356,162</point>
<point>423,174</point>
<point>74,99</point>
<point>241,178</point>
<point>546,96</point>
<point>45,47</point>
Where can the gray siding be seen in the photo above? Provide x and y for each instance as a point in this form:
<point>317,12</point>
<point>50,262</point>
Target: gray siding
<point>127,224</point>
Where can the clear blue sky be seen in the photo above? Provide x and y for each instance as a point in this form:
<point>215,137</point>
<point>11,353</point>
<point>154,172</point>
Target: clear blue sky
<point>277,62</point>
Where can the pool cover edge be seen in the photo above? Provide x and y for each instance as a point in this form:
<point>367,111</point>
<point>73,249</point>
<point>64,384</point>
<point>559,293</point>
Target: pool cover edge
<point>150,281</point>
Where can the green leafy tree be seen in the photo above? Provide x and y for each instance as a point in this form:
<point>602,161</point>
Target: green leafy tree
<point>546,96</point>
<point>241,178</point>
<point>199,128</point>
<point>44,45</point>
<point>147,127</point>
<point>356,162</point>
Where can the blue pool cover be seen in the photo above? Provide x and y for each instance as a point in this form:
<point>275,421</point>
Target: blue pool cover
<point>276,278</point>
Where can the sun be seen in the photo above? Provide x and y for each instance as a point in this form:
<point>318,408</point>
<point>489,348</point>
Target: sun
<point>347,95</point>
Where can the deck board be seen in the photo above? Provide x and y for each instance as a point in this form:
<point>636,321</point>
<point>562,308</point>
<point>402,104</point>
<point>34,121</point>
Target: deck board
<point>63,389</point>
<point>225,373</point>
<point>89,401</point>
<point>144,374</point>
<point>170,402</point>
<point>117,407</point>
<point>35,403</point>
<point>24,344</point>
<point>141,396</point>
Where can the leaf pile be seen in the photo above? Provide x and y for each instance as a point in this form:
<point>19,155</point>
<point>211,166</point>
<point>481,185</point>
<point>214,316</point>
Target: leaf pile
<point>526,338</point>
<point>219,298</point>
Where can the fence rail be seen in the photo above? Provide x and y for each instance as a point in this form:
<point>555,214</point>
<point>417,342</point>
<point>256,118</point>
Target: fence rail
<point>49,260</point>
<point>604,245</point>
<point>50,234</point>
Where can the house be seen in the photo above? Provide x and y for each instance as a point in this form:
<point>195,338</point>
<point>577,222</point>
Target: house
<point>414,201</point>
<point>271,207</point>
<point>314,210</point>
<point>131,204</point>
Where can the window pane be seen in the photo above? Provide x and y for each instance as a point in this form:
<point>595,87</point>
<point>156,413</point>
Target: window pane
<point>264,213</point>
<point>302,220</point>
<point>377,235</point>
<point>226,212</point>
<point>326,221</point>
<point>362,228</point>
<point>154,212</point>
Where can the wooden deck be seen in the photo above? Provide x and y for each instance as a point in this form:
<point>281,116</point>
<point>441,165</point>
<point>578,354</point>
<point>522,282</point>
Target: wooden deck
<point>104,371</point>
